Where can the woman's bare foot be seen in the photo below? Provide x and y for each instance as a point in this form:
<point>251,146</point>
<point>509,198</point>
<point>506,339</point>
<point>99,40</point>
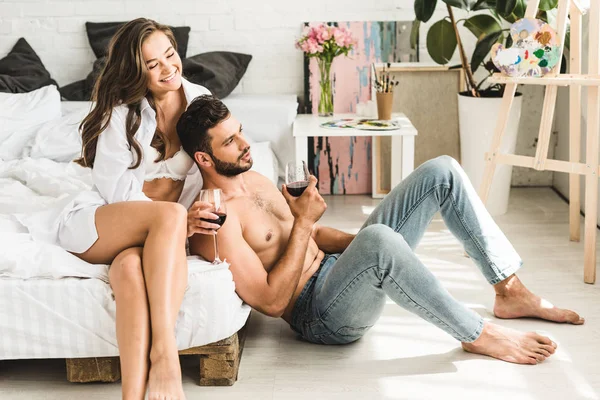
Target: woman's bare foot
<point>514,300</point>
<point>513,346</point>
<point>164,378</point>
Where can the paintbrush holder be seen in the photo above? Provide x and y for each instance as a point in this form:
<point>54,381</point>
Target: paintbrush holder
<point>384,105</point>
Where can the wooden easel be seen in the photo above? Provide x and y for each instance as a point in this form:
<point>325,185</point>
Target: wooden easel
<point>574,167</point>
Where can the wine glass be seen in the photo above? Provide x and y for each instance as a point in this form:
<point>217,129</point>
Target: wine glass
<point>296,177</point>
<point>214,197</point>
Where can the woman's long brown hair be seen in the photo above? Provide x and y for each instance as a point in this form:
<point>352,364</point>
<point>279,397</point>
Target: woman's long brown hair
<point>123,81</point>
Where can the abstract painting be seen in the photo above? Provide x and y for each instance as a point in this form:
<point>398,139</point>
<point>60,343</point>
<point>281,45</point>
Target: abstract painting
<point>343,164</point>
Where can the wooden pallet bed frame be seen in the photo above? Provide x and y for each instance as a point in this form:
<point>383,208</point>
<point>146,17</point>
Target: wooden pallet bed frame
<point>219,363</point>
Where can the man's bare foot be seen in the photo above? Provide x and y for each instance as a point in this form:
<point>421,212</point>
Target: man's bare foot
<point>513,346</point>
<point>164,378</point>
<point>514,300</point>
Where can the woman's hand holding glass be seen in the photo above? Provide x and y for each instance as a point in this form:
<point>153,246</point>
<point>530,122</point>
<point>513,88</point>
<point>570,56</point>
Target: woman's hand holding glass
<point>214,197</point>
<point>202,210</point>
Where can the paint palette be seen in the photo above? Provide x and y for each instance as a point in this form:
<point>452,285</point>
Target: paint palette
<point>363,124</point>
<point>376,125</point>
<point>534,53</point>
<point>346,123</point>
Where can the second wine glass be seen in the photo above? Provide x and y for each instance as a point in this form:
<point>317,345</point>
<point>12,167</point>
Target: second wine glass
<point>215,197</point>
<point>296,177</point>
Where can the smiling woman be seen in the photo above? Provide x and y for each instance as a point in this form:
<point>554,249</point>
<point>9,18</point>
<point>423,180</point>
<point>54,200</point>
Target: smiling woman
<point>129,140</point>
<point>157,45</point>
<point>165,68</point>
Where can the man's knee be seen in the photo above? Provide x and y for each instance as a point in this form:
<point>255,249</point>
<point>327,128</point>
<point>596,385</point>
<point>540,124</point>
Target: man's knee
<point>444,167</point>
<point>442,163</point>
<point>382,246</point>
<point>374,233</point>
<point>381,238</point>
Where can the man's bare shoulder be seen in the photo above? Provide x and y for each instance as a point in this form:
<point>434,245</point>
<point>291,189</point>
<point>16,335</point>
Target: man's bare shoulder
<point>255,177</point>
<point>242,206</point>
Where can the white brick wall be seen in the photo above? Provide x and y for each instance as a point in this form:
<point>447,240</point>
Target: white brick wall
<point>264,28</point>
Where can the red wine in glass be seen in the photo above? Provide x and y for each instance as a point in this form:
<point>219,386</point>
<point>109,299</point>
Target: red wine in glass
<point>297,188</point>
<point>213,196</point>
<point>219,221</point>
<point>296,177</point>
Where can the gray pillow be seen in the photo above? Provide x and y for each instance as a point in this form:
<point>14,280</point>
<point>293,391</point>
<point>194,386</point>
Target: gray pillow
<point>82,90</point>
<point>100,33</point>
<point>76,91</point>
<point>22,71</point>
<point>218,71</point>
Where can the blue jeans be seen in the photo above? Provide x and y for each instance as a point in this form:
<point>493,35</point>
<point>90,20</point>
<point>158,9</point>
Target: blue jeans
<point>346,296</point>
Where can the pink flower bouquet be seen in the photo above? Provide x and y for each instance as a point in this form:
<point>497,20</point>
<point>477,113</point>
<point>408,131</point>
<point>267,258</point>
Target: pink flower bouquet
<point>325,43</point>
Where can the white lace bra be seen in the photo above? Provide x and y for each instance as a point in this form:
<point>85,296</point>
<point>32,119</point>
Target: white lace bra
<point>175,167</point>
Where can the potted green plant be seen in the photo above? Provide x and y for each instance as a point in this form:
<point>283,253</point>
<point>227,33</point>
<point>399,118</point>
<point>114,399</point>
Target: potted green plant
<point>479,104</point>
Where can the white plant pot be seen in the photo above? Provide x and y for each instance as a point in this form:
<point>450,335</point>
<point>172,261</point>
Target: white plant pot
<point>477,119</point>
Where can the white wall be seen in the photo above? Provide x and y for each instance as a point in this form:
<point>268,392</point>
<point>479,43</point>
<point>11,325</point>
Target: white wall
<point>264,28</point>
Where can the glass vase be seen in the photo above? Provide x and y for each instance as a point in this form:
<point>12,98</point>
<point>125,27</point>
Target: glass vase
<point>326,84</point>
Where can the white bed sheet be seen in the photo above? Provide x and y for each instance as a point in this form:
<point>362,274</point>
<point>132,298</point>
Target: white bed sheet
<point>52,304</point>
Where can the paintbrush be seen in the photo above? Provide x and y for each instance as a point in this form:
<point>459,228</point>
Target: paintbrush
<point>389,65</point>
<point>374,79</point>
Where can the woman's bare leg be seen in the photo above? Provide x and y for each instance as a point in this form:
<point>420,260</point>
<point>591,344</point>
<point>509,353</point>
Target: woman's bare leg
<point>160,227</point>
<point>170,288</point>
<point>133,321</point>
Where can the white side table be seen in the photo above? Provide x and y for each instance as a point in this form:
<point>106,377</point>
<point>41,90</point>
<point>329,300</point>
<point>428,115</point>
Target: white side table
<point>403,143</point>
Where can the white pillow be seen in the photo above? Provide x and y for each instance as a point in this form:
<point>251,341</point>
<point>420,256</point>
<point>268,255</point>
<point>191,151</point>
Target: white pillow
<point>58,140</point>
<point>19,111</point>
<point>267,118</point>
<point>14,142</point>
<point>264,160</point>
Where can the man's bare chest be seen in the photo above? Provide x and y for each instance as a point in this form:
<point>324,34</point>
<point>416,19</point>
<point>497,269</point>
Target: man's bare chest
<point>265,220</point>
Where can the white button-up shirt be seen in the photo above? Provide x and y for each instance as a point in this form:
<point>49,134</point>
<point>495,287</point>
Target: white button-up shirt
<point>71,223</point>
<point>111,174</point>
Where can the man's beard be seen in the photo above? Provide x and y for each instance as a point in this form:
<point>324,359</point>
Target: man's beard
<point>230,169</point>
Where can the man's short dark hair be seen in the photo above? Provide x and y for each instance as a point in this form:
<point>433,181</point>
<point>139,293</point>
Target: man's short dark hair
<point>203,113</point>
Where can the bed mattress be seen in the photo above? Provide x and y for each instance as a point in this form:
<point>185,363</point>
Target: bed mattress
<point>75,317</point>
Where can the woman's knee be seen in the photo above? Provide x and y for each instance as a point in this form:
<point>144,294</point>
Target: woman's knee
<point>172,214</point>
<point>126,270</point>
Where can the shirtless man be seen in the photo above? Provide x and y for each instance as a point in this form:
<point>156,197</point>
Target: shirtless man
<point>331,286</point>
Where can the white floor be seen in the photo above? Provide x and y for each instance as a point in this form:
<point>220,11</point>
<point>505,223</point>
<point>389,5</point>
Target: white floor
<point>403,357</point>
